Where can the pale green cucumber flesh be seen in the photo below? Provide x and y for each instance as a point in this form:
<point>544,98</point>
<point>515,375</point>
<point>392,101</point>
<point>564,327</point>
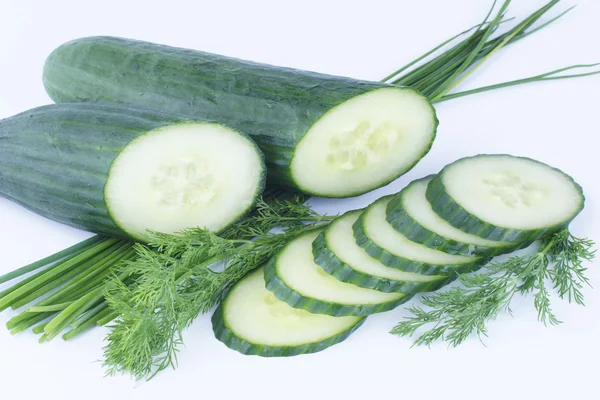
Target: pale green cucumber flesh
<point>252,321</point>
<point>294,277</point>
<point>335,250</point>
<point>377,236</point>
<point>503,197</point>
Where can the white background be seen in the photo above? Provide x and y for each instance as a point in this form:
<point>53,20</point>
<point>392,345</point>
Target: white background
<point>555,122</point>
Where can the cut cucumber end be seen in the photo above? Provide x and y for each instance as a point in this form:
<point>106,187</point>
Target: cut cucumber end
<point>503,197</point>
<point>364,143</point>
<point>252,321</point>
<point>184,176</point>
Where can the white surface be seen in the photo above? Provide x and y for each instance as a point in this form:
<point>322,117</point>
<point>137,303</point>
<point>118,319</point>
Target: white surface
<point>555,122</point>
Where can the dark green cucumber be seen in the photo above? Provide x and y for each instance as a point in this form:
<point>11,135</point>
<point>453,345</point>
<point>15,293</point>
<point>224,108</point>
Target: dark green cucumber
<point>279,107</point>
<point>58,161</point>
<point>374,234</point>
<point>294,278</point>
<point>336,251</point>
<point>411,214</point>
<point>252,321</point>
<point>505,198</point>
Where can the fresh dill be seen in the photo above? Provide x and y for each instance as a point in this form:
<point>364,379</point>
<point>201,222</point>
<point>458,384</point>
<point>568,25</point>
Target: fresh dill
<point>454,315</point>
<point>175,281</point>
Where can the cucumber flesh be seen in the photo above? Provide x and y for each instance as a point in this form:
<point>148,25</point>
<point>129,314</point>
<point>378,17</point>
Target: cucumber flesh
<point>383,242</point>
<point>252,320</point>
<point>295,278</point>
<point>172,178</point>
<point>503,197</point>
<point>364,143</point>
<point>336,251</point>
<point>411,214</point>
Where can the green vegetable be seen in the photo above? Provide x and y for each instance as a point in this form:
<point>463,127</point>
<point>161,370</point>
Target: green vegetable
<point>503,197</point>
<point>120,171</point>
<point>455,314</point>
<point>336,252</point>
<point>252,321</point>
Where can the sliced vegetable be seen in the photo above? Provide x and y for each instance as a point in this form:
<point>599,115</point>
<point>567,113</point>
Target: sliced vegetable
<point>336,251</point>
<point>377,236</point>
<point>325,135</point>
<point>294,278</point>
<point>252,320</point>
<point>411,214</point>
<point>120,171</point>
<point>503,197</point>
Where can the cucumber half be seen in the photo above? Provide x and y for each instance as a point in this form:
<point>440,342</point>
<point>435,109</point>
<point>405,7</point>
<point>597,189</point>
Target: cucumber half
<point>173,178</point>
<point>252,321</point>
<point>294,278</point>
<point>377,236</point>
<point>410,213</point>
<point>364,143</point>
<point>336,251</point>
<point>503,197</point>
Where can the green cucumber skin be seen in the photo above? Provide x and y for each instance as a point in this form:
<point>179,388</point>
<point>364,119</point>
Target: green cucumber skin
<point>286,294</point>
<point>234,342</point>
<point>55,160</point>
<point>274,105</point>
<point>393,261</point>
<point>331,264</point>
<point>458,217</point>
<point>407,226</point>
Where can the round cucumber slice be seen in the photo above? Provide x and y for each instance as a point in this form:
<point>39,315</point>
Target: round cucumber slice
<point>171,178</point>
<point>294,278</point>
<point>410,213</point>
<point>252,321</point>
<point>377,236</point>
<point>364,143</point>
<point>503,197</point>
<point>336,251</point>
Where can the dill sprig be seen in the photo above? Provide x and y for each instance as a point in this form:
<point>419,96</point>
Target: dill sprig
<point>456,314</point>
<point>175,280</point>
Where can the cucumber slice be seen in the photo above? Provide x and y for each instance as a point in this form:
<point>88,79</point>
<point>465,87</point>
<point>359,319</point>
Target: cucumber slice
<point>294,278</point>
<point>503,197</point>
<point>172,178</point>
<point>377,236</point>
<point>336,251</point>
<point>252,321</point>
<point>410,213</point>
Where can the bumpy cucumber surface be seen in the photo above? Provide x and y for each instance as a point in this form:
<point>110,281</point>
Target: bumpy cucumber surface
<point>252,321</point>
<point>117,170</point>
<point>335,250</point>
<point>411,214</point>
<point>377,236</point>
<point>503,197</point>
<point>295,278</point>
<point>324,135</point>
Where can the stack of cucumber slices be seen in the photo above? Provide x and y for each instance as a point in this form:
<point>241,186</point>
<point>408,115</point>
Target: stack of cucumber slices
<point>322,285</point>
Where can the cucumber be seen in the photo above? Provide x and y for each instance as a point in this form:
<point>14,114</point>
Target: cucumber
<point>120,171</point>
<point>252,321</point>
<point>323,135</point>
<point>336,251</point>
<point>503,197</point>
<point>377,236</point>
<point>410,213</point>
<point>294,278</point>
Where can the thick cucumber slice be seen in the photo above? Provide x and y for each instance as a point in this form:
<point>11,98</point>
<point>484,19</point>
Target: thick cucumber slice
<point>377,236</point>
<point>172,178</point>
<point>364,143</point>
<point>503,197</point>
<point>336,251</point>
<point>252,321</point>
<point>410,213</point>
<point>294,278</point>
